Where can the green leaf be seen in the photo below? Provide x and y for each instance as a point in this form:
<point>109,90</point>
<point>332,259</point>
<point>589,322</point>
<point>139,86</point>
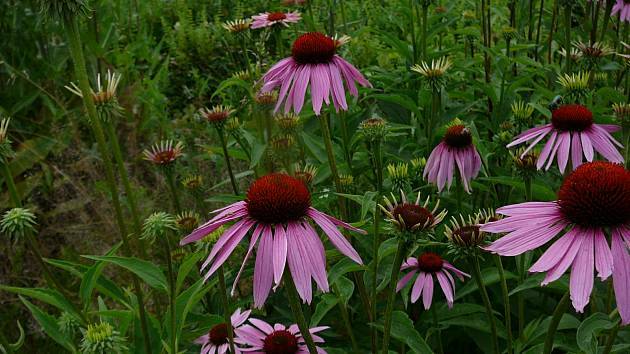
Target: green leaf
<point>49,296</point>
<point>344,266</point>
<point>49,325</point>
<point>533,282</point>
<point>315,147</point>
<point>91,277</point>
<point>539,191</point>
<point>586,335</point>
<point>184,269</point>
<point>146,271</point>
<point>489,276</point>
<point>404,331</point>
<point>327,303</point>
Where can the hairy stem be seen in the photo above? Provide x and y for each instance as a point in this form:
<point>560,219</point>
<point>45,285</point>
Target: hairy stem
<point>561,308</point>
<point>296,308</point>
<point>391,299</point>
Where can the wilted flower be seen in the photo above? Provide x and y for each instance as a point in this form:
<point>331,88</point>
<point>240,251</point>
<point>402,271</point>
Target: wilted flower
<point>17,222</point>
<point>218,115</point>
<point>574,53</point>
<point>158,225</point>
<point>576,85</point>
<point>282,143</point>
<point>622,113</point>
<point>434,73</point>
<point>268,19</point>
<point>164,153</point>
<point>105,98</point>
<point>412,217</point>
<point>237,26</point>
<point>6,151</point>
<point>373,129</point>
<point>187,221</point>
<point>465,233</point>
<point>592,53</point>
<point>101,338</point>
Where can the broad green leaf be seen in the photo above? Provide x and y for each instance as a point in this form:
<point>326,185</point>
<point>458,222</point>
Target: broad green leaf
<point>146,271</point>
<point>404,331</point>
<point>586,335</point>
<point>184,269</point>
<point>49,296</point>
<point>91,277</point>
<point>49,325</point>
<point>489,276</point>
<point>327,303</point>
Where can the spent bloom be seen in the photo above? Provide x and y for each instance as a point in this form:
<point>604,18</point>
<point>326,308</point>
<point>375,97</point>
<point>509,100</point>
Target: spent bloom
<point>102,338</point>
<point>593,200</point>
<point>429,266</point>
<point>455,149</point>
<point>314,61</point>
<point>187,220</point>
<point>268,19</point>
<point>164,153</point>
<point>259,337</point>
<point>216,340</point>
<point>278,210</point>
<point>408,216</point>
<point>571,132</point>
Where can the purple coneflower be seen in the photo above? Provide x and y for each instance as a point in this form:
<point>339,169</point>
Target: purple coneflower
<point>216,340</point>
<point>164,153</point>
<point>455,149</point>
<point>572,133</point>
<point>278,210</point>
<point>262,338</point>
<point>268,19</point>
<point>313,61</point>
<point>427,266</point>
<point>621,7</point>
<point>593,198</point>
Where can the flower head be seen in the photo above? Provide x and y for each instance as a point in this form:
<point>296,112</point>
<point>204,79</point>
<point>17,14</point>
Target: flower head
<point>571,132</point>
<point>187,221</point>
<point>158,225</point>
<point>525,161</point>
<point>17,222</point>
<point>522,111</point>
<point>306,174</point>
<point>288,122</point>
<point>216,340</point>
<point>622,113</point>
<point>217,116</point>
<point>268,19</point>
<point>455,150</point>
<point>261,337</point>
<point>429,266</point>
<point>399,175</point>
<point>313,61</point>
<point>237,26</point>
<point>105,98</point>
<point>465,233</point>
<point>68,324</point>
<point>6,150</point>
<point>434,73</point>
<point>593,200</point>
<point>164,153</point>
<point>192,182</point>
<point>102,338</point>
<point>277,210</point>
<point>64,9</point>
<point>373,129</point>
<point>409,216</point>
<point>575,85</point>
<point>266,98</point>
<point>574,54</point>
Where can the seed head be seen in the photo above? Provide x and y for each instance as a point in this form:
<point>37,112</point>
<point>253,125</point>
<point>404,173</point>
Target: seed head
<point>105,98</point>
<point>373,129</point>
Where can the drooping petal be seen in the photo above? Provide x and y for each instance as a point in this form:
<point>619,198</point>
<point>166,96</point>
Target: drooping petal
<point>546,151</point>
<point>537,132</point>
<point>404,280</point>
<point>576,150</point>
<point>335,236</point>
<point>229,247</point>
<point>561,267</point>
<point>524,240</point>
<point>603,256</point>
<point>427,292</point>
<point>446,288</point>
<point>252,243</point>
<point>298,265</point>
<point>621,275</point>
<point>418,285</point>
<point>279,253</point>
<point>581,282</point>
<point>564,144</point>
<point>460,275</point>
<point>554,254</point>
<point>263,269</point>
<point>317,256</point>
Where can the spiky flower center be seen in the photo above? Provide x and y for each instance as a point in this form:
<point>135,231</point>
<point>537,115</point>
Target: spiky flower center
<point>219,334</point>
<point>277,198</point>
<point>313,48</point>
<point>572,117</point>
<point>276,16</point>
<point>469,235</point>
<point>412,215</point>
<point>429,262</point>
<point>458,136</point>
<point>596,194</point>
<point>166,156</point>
<point>280,342</point>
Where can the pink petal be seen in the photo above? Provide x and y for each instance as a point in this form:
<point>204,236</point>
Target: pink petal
<point>335,236</point>
<point>603,256</point>
<point>621,276</point>
<point>298,265</point>
<point>279,253</point>
<point>427,292</point>
<point>581,282</point>
<point>418,285</point>
<point>263,269</point>
<point>404,280</point>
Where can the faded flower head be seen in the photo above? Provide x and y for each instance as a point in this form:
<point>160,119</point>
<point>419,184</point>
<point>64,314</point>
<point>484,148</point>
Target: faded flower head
<point>592,53</point>
<point>525,161</point>
<point>434,73</point>
<point>6,151</point>
<point>102,338</point>
<point>373,129</point>
<point>233,125</point>
<point>412,217</point>
<point>266,98</point>
<point>574,53</point>
<point>158,225</point>
<point>237,26</point>
<point>576,86</point>
<point>17,222</point>
<point>164,153</point>
<point>187,221</point>
<point>104,97</point>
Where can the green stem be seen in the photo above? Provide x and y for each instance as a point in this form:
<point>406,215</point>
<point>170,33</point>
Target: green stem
<point>436,324</point>
<point>528,188</point>
<point>76,52</point>
<point>342,6</point>
<point>412,29</point>
<point>170,179</point>
<point>486,303</point>
<point>567,37</point>
<point>226,306</point>
<point>391,299</point>
<point>609,6</point>
<point>540,15</point>
<point>423,38</point>
<point>227,160</point>
<point>296,308</point>
<point>4,344</point>
<point>611,338</point>
<point>554,19</point>
<point>172,295</point>
<point>561,308</point>
<point>331,160</point>
<point>506,301</point>
<point>520,298</point>
<point>378,168</point>
<point>8,179</point>
<point>343,309</point>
